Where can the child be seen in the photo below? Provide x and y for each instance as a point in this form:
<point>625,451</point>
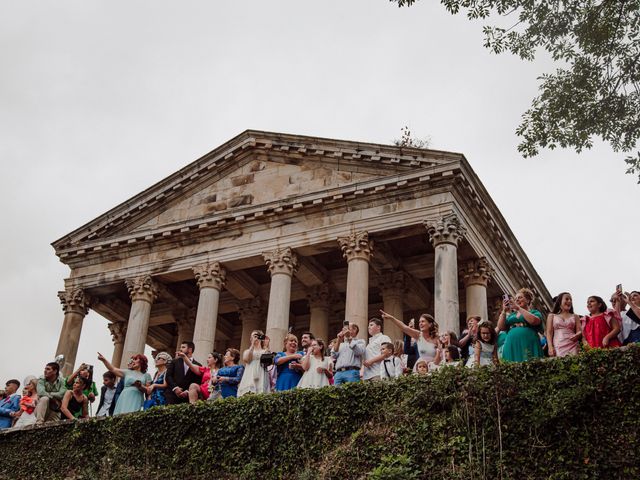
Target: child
<point>485,351</point>
<point>421,367</point>
<point>107,395</point>
<point>391,366</point>
<point>451,358</point>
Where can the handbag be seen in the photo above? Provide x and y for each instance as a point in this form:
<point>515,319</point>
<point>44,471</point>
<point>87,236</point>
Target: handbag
<point>266,359</point>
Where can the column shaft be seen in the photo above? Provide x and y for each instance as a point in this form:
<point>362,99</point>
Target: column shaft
<point>477,301</point>
<point>356,248</point>
<point>357,296</point>
<point>445,233</point>
<point>142,292</point>
<point>211,278</point>
<point>393,305</point>
<point>446,306</point>
<point>118,330</point>
<point>278,310</point>
<point>251,316</point>
<point>319,322</point>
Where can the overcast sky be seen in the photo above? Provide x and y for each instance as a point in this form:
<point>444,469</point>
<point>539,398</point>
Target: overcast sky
<point>99,100</point>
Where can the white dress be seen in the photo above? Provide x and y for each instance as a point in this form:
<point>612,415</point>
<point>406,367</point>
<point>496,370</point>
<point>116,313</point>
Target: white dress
<point>311,378</point>
<point>486,355</point>
<point>426,350</point>
<point>255,378</point>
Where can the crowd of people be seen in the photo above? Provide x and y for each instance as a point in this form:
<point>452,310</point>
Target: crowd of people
<point>519,335</point>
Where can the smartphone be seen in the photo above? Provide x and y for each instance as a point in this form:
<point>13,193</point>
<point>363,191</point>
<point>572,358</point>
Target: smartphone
<point>506,297</point>
<point>345,323</point>
<point>619,288</point>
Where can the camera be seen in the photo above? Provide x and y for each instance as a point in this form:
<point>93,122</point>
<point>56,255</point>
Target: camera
<point>260,336</point>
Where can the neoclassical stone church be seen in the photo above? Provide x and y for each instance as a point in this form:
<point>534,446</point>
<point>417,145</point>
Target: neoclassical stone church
<point>275,231</point>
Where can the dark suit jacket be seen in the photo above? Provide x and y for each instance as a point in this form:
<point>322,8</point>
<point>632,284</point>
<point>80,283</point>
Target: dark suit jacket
<point>177,378</point>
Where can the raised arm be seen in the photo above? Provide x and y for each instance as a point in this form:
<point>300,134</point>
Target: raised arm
<point>412,332</point>
<point>502,319</point>
<point>116,371</point>
<point>194,368</point>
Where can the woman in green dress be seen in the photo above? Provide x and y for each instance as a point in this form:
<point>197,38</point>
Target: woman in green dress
<point>136,380</point>
<point>521,324</point>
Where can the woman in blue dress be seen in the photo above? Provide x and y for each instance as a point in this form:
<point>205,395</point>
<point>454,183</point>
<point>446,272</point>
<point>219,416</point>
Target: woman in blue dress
<point>288,364</point>
<point>229,376</point>
<point>136,380</point>
<point>156,390</point>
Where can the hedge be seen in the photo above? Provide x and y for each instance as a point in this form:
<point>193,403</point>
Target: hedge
<point>571,418</point>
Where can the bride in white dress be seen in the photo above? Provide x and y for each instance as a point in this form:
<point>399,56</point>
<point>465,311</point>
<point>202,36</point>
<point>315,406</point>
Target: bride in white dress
<point>317,367</point>
<point>255,378</point>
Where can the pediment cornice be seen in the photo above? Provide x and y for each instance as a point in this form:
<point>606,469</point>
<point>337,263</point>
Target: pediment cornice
<point>295,147</point>
<point>391,186</point>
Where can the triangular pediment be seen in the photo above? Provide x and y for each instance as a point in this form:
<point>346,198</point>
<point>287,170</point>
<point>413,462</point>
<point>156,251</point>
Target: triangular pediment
<point>252,169</point>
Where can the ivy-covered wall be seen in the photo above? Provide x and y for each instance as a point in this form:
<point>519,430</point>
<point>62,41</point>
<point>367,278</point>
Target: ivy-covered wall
<point>573,418</point>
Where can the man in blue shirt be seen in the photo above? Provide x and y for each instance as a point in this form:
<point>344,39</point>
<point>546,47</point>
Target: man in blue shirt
<point>10,404</point>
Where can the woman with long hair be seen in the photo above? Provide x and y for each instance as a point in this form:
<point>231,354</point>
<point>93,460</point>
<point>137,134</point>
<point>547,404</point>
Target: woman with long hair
<point>26,415</point>
<point>522,323</point>
<point>427,341</point>
<point>230,375</point>
<point>205,388</point>
<point>256,377</point>
<point>136,380</point>
<point>601,326</point>
<point>564,328</point>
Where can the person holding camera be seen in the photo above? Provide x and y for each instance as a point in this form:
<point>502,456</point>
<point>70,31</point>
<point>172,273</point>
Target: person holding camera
<point>50,390</point>
<point>256,358</point>
<point>629,319</point>
<point>86,372</point>
<point>136,380</point>
<point>348,354</point>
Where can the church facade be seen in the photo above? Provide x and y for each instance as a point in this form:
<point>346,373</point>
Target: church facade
<point>285,232</point>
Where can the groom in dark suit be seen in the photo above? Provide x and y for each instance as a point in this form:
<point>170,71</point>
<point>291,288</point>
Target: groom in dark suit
<point>179,376</point>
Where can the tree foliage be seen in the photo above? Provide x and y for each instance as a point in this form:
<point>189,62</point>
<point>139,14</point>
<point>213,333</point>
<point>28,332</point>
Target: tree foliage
<point>595,92</point>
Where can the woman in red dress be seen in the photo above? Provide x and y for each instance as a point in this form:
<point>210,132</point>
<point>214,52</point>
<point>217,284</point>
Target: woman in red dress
<point>601,326</point>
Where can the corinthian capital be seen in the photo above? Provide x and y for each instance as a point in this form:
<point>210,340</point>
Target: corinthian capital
<point>210,275</point>
<point>321,296</point>
<point>392,283</point>
<point>74,300</point>
<point>446,229</point>
<point>356,245</point>
<point>142,288</point>
<point>281,261</point>
<point>251,309</point>
<point>477,272</point>
<point>118,331</point>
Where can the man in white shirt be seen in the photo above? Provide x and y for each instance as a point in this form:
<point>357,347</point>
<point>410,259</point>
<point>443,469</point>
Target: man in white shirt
<point>373,356</point>
<point>347,355</point>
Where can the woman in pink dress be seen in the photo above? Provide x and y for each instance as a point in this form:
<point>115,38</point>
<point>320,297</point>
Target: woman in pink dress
<point>564,329</point>
<point>601,327</point>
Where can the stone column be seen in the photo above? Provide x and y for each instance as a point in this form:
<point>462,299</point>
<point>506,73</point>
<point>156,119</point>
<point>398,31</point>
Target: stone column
<point>445,233</point>
<point>393,286</point>
<point>118,331</point>
<point>75,304</point>
<point>251,314</point>
<point>282,264</point>
<point>476,275</point>
<point>356,248</point>
<point>185,327</point>
<point>211,278</point>
<point>143,293</point>
<point>320,298</point>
